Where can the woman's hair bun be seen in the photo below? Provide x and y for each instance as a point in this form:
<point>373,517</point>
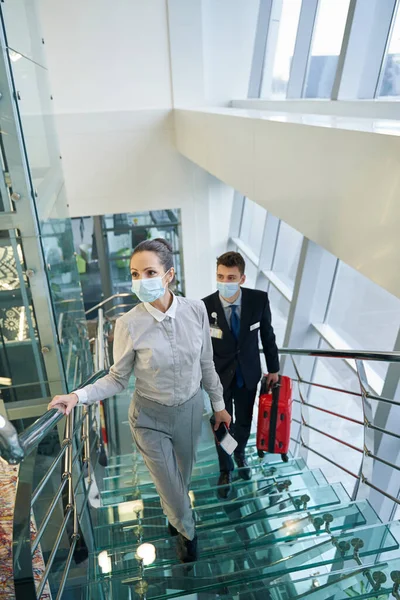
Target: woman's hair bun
<point>164,242</point>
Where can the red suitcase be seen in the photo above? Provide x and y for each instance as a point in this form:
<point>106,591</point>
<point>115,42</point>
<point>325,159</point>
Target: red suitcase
<point>274,418</point>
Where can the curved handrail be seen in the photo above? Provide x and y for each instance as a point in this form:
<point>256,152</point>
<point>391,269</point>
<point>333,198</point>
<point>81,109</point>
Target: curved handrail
<point>14,448</point>
<point>346,354</point>
<point>103,302</point>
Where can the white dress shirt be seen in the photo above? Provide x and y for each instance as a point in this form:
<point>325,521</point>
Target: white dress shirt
<point>227,306</point>
<point>169,353</point>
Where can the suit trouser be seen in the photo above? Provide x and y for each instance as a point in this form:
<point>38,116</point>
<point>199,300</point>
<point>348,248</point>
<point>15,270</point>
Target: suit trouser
<point>167,438</point>
<point>243,400</point>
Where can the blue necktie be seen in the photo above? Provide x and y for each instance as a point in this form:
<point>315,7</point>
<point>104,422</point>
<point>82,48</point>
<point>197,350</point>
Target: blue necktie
<point>235,327</point>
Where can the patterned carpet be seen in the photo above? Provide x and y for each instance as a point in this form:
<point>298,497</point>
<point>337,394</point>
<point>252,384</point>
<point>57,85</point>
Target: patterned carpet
<point>8,487</point>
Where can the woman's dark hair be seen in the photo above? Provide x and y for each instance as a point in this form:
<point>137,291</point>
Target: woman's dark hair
<point>232,259</point>
<point>159,246</point>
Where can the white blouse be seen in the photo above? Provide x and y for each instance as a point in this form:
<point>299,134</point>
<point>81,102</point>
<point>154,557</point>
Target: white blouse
<point>169,353</point>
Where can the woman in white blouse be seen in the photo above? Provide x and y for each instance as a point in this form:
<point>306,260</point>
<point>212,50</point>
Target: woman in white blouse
<point>165,341</point>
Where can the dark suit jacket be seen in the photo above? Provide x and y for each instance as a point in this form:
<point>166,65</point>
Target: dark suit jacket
<point>228,352</point>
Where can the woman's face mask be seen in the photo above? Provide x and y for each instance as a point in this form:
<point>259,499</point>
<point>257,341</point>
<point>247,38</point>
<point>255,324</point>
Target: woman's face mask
<point>149,290</point>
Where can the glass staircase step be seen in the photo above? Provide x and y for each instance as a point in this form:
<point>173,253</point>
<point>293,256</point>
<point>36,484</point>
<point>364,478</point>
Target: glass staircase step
<point>206,443</point>
<point>248,535</point>
<point>338,584</point>
<point>117,527</point>
<point>207,480</point>
<point>358,549</point>
<point>139,473</point>
<point>207,490</point>
<point>205,458</point>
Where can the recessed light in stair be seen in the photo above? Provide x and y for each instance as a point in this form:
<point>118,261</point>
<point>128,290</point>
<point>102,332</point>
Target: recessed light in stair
<point>104,562</point>
<point>147,553</point>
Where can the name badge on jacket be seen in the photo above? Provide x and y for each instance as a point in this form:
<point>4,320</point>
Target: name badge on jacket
<point>216,332</point>
<point>255,326</point>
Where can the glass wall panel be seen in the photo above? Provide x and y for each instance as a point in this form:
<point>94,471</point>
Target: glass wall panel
<point>252,227</point>
<point>22,372</point>
<point>126,231</point>
<point>326,45</point>
<point>87,260</point>
<point>66,292</point>
<point>390,82</point>
<point>23,30</point>
<point>34,103</point>
<point>365,315</point>
<point>276,87</point>
<point>280,313</point>
<point>121,233</point>
<point>251,273</point>
<point>35,109</point>
<point>335,373</point>
<point>287,254</point>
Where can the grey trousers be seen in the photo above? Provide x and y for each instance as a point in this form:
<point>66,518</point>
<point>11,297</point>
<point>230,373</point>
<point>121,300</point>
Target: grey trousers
<point>167,438</point>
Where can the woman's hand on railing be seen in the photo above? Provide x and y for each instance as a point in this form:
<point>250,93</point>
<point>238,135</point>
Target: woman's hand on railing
<point>65,403</point>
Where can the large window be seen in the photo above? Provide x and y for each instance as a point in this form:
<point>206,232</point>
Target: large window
<point>271,249</point>
<point>326,45</point>
<point>287,254</point>
<point>252,227</point>
<point>275,85</point>
<point>390,81</point>
<point>363,314</point>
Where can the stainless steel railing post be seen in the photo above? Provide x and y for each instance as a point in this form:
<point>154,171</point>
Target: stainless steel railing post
<point>367,463</point>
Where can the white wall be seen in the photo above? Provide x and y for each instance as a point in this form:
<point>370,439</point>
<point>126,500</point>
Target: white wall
<point>126,162</point>
<point>229,28</point>
<point>107,56</point>
<point>186,52</point>
<point>115,70</point>
<point>336,185</point>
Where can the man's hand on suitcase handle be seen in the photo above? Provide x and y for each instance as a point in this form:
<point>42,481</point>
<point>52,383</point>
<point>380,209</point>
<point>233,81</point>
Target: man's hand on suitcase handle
<point>222,416</point>
<point>272,379</point>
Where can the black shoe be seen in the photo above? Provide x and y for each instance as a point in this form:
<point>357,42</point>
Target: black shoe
<point>172,531</point>
<point>244,469</point>
<point>186,549</point>
<point>224,480</point>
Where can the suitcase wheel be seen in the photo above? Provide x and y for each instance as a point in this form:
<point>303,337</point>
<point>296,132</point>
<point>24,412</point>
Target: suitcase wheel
<point>260,454</point>
<point>285,458</point>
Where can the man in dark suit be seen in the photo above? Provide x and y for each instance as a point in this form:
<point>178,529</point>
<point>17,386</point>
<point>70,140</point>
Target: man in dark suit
<point>237,316</point>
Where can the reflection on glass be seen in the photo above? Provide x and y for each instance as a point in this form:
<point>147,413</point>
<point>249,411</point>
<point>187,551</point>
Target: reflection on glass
<point>122,233</point>
<point>21,363</point>
<point>390,83</point>
<point>66,293</point>
<point>35,109</point>
<point>23,30</point>
<point>287,254</point>
<point>365,316</point>
<point>252,227</point>
<point>288,25</point>
<point>327,41</point>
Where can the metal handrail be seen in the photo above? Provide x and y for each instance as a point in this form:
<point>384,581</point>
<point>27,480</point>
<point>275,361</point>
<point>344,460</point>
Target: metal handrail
<point>363,478</point>
<point>14,448</point>
<point>21,449</point>
<point>106,300</point>
<point>345,354</point>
